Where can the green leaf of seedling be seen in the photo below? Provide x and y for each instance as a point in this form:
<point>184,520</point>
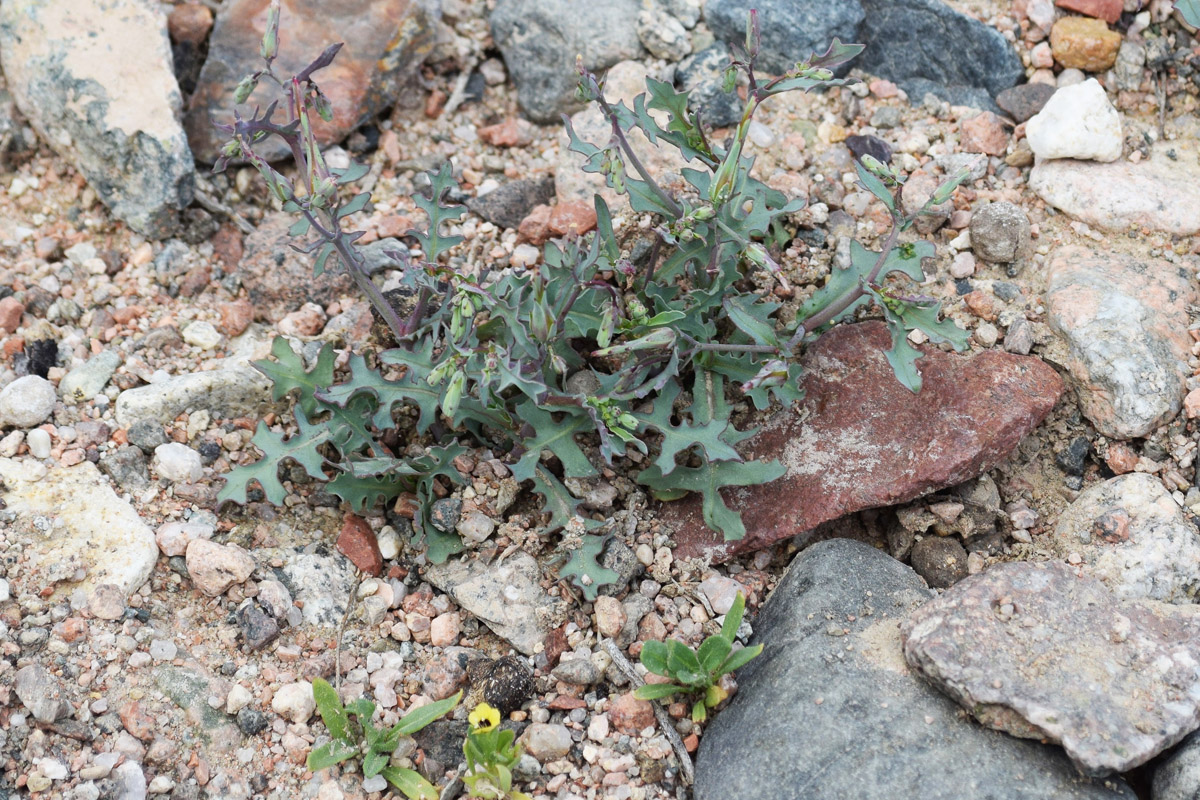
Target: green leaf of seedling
<point>333,714</point>
<point>708,481</point>
<point>414,386</point>
<point>299,227</point>
<point>739,658</point>
<point>586,561</point>
<point>560,504</point>
<point>433,242</point>
<point>733,618</point>
<point>752,317</point>
<point>355,204</point>
<point>302,448</point>
<point>418,718</point>
<point>657,691</point>
<point>287,374</point>
<point>362,708</point>
<point>374,762</point>
<point>682,660</point>
<point>1190,10</point>
<point>699,712</point>
<point>903,315</point>
<point>410,783</point>
<point>557,436</point>
<point>323,255</point>
<point>356,171</point>
<point>873,184</point>
<point>654,657</point>
<point>712,652</point>
<point>679,438</point>
<point>327,755</point>
<point>904,258</point>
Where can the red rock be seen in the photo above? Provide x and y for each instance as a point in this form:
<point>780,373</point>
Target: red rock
<point>554,645</point>
<point>195,281</point>
<point>861,440</point>
<point>127,314</point>
<point>227,246</point>
<point>1107,10</point>
<point>564,702</point>
<point>981,304</point>
<point>535,228</point>
<point>385,41</point>
<point>190,23</point>
<point>1121,458</point>
<point>235,317</point>
<point>11,311</point>
<point>984,133</point>
<point>572,217</point>
<point>139,724</point>
<point>630,715</point>
<point>513,132</point>
<point>357,542</point>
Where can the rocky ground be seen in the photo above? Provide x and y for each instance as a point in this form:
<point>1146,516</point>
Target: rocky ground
<point>1026,543</point>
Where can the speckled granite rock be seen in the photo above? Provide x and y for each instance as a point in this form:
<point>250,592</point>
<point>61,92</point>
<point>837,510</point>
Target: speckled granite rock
<point>1040,652</point>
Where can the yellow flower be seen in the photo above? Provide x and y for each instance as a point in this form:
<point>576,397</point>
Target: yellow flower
<point>483,718</point>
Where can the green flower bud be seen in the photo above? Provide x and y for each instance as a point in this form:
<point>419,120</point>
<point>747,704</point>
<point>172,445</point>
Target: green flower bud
<point>270,41</point>
<point>242,93</point>
<point>454,394</point>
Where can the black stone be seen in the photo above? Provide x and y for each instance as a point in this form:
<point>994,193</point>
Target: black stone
<point>1008,292</point>
<point>510,203</point>
<point>445,513</point>
<point>42,354</point>
<point>1073,458</point>
<point>925,46</point>
<point>258,627</point>
<point>1022,102</point>
<point>791,31</point>
<point>209,451</point>
<point>940,560</point>
<point>871,146</point>
<point>250,721</point>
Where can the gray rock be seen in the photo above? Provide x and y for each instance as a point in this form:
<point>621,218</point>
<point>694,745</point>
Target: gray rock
<point>1178,777</point>
<point>322,583</point>
<point>259,629</point>
<point>129,782</point>
<point>88,379</point>
<point>41,693</point>
<point>127,467</point>
<point>177,463</point>
<point>147,435</point>
<point>576,671</point>
<point>662,34</point>
<point>702,74</point>
<point>1124,320</point>
<point>1132,536</point>
<point>925,46</point>
<point>834,712</point>
<point>539,40</point>
<point>791,31</point>
<point>26,402</point>
<point>190,691</point>
<point>999,233</point>
<point>235,390</point>
<point>1039,652</point>
<point>547,742</point>
<point>507,596</point>
<point>507,205</point>
<point>110,109</point>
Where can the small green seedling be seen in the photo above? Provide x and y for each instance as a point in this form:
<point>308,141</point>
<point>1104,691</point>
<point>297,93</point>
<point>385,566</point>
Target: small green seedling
<point>491,756</point>
<point>358,737</point>
<point>697,671</point>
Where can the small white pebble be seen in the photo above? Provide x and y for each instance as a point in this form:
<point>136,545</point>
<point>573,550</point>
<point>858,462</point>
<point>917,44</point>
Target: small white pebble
<point>39,443</point>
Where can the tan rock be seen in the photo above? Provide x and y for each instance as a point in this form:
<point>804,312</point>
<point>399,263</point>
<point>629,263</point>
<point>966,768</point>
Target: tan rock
<point>1084,43</point>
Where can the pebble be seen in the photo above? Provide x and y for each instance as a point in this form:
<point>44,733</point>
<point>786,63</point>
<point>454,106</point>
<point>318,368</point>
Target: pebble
<point>629,714</point>
<point>215,567</point>
<point>238,698</point>
<point>177,463</point>
<point>1077,122</point>
<point>294,702</point>
<point>444,629</point>
<point>87,380</point>
<point>999,233</point>
<point>106,601</point>
<point>547,742</point>
<point>39,443</point>
<point>40,692</point>
<point>174,537</point>
<point>258,628</point>
<point>26,402</point>
<point>576,671</point>
<point>275,598</point>
<point>251,722</point>
<point>610,616</point>
<point>721,592</point>
<point>202,335</point>
<point>963,265</point>
<point>1084,43</point>
<point>475,527</point>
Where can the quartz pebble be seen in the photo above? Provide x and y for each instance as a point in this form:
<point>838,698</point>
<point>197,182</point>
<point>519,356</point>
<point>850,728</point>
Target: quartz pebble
<point>26,402</point>
<point>177,463</point>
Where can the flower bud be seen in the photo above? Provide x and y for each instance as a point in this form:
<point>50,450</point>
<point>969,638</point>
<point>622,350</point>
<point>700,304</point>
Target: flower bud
<point>242,93</point>
<point>270,41</point>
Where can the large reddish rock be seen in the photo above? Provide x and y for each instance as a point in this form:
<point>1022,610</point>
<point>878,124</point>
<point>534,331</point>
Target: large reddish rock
<point>385,41</point>
<point>861,440</point>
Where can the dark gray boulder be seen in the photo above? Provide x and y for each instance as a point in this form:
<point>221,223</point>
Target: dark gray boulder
<point>790,30</point>
<point>831,710</point>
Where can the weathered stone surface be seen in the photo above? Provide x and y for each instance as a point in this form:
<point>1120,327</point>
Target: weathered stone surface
<point>109,108</point>
<point>999,232</point>
<point>1178,777</point>
<point>1160,193</point>
<point>385,41</point>
<point>540,39</point>
<point>215,567</point>
<point>507,597</point>
<point>925,46</point>
<point>832,711</point>
<point>861,440</point>
<point>790,31</point>
<point>1040,652</point>
<point>1124,320</point>
<point>280,280</point>
<point>1132,536</point>
<point>322,584</point>
<point>512,202</point>
<point>91,529</point>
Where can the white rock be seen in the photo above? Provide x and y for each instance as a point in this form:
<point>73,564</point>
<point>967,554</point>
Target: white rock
<point>294,702</point>
<point>238,698</point>
<point>161,784</point>
<point>177,462</point>
<point>215,567</point>
<point>202,335</point>
<point>4,591</point>
<point>174,537</point>
<point>11,443</point>
<point>26,402</point>
<point>39,443</point>
<point>1077,122</point>
<point>721,592</point>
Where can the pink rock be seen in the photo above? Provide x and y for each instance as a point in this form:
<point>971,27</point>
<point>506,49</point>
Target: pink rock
<point>10,314</point>
<point>358,543</point>
<point>861,440</point>
<point>984,133</point>
<point>1191,404</point>
<point>385,40</point>
<point>1124,319</point>
<point>215,567</point>
<point>630,715</point>
<point>444,629</point>
<point>308,320</point>
<point>610,616</point>
<point>1107,10</point>
<point>173,537</point>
